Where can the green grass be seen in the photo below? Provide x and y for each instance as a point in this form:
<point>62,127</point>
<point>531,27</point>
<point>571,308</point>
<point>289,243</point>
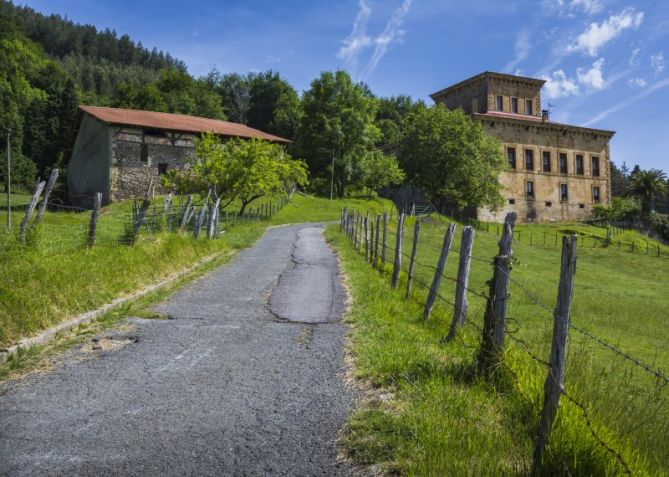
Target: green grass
<point>55,276</point>
<point>443,420</point>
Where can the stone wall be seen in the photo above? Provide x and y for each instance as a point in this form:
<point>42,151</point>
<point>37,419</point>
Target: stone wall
<point>471,97</point>
<point>513,88</point>
<point>130,176</point>
<point>555,139</point>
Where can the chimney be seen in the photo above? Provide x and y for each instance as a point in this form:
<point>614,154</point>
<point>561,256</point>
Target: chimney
<point>544,115</point>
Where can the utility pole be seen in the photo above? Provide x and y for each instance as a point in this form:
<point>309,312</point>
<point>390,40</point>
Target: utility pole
<point>332,176</point>
<point>8,180</point>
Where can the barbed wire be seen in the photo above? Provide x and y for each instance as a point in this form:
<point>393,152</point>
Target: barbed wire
<point>638,362</point>
<point>588,422</point>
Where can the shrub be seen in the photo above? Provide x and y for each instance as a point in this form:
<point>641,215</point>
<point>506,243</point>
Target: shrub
<point>621,208</point>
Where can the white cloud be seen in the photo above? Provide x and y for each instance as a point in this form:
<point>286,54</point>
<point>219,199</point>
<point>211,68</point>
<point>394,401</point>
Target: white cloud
<point>588,6</point>
<point>597,35</point>
<point>592,78</point>
<point>358,40</point>
<point>657,62</point>
<point>392,33</point>
<point>522,49</point>
<point>637,83</point>
<point>628,101</point>
<point>559,85</point>
<point>635,58</point>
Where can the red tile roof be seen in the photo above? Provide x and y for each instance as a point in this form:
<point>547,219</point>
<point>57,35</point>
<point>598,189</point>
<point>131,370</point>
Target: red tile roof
<point>176,122</point>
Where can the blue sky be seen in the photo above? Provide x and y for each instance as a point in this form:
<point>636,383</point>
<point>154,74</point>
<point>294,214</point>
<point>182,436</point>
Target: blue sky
<point>605,60</point>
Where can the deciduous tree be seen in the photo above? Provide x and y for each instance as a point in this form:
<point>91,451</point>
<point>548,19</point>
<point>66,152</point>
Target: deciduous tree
<point>337,123</point>
<point>452,157</point>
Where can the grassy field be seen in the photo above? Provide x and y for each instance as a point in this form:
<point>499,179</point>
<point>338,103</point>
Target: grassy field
<point>433,416</point>
<point>56,276</point>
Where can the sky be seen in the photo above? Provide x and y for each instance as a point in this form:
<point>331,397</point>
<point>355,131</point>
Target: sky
<point>605,61</point>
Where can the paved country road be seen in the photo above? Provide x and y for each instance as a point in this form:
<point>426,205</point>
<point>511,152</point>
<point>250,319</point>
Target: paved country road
<point>246,378</point>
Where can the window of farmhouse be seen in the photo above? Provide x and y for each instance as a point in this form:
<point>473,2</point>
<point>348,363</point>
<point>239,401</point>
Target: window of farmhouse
<point>547,161</point>
<point>511,156</point>
<point>579,165</point>
<point>529,160</point>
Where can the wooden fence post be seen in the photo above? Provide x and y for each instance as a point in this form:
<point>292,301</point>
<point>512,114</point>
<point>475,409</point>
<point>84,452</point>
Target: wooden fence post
<point>384,248</point>
<point>184,217</point>
<point>139,221</point>
<point>398,251</point>
<point>494,322</point>
<point>461,304</point>
<point>213,213</point>
<point>414,245</point>
<point>367,238</point>
<point>199,221</point>
<point>26,218</point>
<point>372,231</point>
<point>436,281</point>
<point>95,213</point>
<point>376,241</point>
<point>553,386</point>
<point>356,221</point>
<point>47,192</point>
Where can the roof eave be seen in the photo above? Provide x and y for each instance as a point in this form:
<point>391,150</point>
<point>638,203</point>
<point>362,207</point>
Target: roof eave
<point>604,132</point>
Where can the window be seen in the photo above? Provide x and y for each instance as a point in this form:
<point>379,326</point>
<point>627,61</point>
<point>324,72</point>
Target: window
<point>528,107</point>
<point>581,206</point>
<point>564,193</point>
<point>529,190</point>
<point>499,103</point>
<point>595,195</point>
<point>144,153</point>
<point>511,156</point>
<point>595,166</point>
<point>512,201</point>
<point>514,105</point>
<point>563,163</point>
<point>579,164</point>
<point>529,160</point>
<point>162,169</point>
<point>549,204</point>
<point>547,161</point>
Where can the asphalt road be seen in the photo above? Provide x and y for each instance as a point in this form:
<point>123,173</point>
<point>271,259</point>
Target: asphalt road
<point>246,378</point>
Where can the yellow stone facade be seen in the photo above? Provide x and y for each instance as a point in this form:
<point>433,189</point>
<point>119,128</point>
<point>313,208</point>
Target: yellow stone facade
<point>560,171</point>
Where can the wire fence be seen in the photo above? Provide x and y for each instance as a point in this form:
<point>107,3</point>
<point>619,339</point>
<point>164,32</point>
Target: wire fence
<point>68,227</point>
<point>604,385</point>
<point>611,240</point>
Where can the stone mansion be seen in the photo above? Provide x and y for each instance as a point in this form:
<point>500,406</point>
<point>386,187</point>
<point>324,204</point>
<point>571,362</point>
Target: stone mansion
<point>556,171</point>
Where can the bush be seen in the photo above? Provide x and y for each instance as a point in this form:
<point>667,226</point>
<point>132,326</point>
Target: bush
<point>660,223</point>
<point>621,208</point>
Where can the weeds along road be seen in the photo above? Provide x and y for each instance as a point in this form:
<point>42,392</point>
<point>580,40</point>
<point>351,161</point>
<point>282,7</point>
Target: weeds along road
<point>246,378</point>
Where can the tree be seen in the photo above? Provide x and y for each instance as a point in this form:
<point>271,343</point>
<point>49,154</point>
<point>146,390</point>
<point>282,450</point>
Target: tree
<point>390,117</point>
<point>234,90</point>
<point>273,104</point>
<point>647,185</point>
<point>337,123</point>
<point>451,157</point>
<point>380,170</point>
<point>619,179</point>
<point>240,169</point>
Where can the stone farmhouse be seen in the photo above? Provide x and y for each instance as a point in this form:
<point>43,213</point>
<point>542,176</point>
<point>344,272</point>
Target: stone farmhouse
<point>117,151</point>
<point>556,171</point>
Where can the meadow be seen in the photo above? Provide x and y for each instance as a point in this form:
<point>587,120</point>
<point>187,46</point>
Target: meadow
<point>55,275</point>
<point>443,419</point>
